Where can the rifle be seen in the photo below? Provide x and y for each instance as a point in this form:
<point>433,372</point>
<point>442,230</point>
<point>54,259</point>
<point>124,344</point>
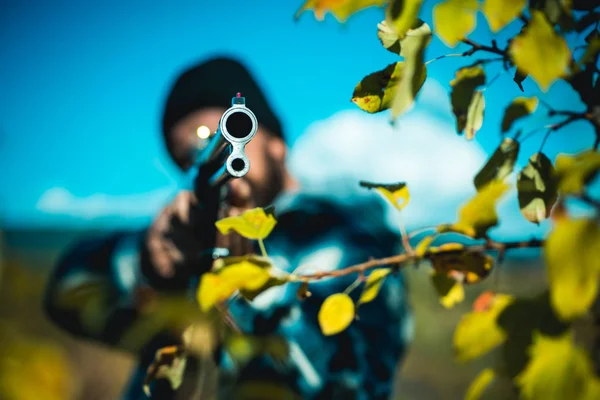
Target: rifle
<point>224,154</point>
<point>221,160</point>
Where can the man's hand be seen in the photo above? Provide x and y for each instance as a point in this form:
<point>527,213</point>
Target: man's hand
<point>174,249</point>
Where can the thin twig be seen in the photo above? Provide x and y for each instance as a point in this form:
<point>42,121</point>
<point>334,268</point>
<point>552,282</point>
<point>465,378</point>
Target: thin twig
<point>591,201</point>
<point>480,47</point>
<point>402,260</point>
<point>548,132</point>
<point>493,80</point>
<point>444,56</point>
<point>404,234</point>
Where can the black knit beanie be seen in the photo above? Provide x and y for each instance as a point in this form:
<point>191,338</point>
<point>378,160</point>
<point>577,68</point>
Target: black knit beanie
<point>213,84</point>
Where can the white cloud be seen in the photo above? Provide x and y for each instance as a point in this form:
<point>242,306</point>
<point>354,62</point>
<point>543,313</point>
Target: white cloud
<point>60,201</point>
<point>422,150</point>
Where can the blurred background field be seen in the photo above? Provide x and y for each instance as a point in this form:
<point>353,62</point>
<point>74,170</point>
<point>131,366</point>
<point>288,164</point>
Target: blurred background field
<point>83,90</point>
<point>94,372</point>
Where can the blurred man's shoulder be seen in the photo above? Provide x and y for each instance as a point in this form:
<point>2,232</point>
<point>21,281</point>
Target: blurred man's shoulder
<point>323,210</point>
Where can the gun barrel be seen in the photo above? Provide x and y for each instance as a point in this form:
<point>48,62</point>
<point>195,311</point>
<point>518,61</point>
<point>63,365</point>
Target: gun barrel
<point>237,127</point>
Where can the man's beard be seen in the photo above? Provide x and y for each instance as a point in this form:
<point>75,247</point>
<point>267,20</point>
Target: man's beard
<point>266,191</point>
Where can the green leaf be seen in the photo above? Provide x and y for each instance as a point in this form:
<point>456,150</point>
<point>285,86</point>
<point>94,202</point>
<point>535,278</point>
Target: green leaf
<point>336,314</point>
<point>478,332</point>
<point>375,92</point>
<point>540,51</point>
<point>500,164</point>
<point>341,9</point>
<point>415,72</point>
<point>480,383</point>
<point>450,290</point>
<point>520,107</point>
<point>500,13</point>
<point>537,188</point>
<point>557,370</point>
<point>453,20</point>
<point>475,115</point>
<point>575,172</point>
<point>467,79</point>
<point>452,259</point>
<point>573,264</point>
<point>479,214</point>
<point>396,193</point>
<point>252,224</point>
<point>373,285</point>
<point>401,15</point>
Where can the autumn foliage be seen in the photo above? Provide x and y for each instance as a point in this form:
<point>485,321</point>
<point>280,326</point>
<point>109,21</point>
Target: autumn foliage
<point>542,359</point>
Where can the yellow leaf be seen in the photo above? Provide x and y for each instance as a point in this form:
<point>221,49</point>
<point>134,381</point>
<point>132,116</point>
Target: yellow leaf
<point>500,164</point>
<point>242,348</point>
<point>375,92</point>
<point>453,20</point>
<point>388,37</point>
<point>341,9</point>
<point>33,367</point>
<point>572,257</point>
<point>409,85</point>
<point>537,188</point>
<point>451,291</point>
<point>475,115</point>
<point>424,245</point>
<point>574,172</point>
<point>218,287</point>
<point>336,314</point>
<point>245,275</point>
<point>169,363</point>
<point>540,51</point>
<point>401,15</point>
<point>402,45</point>
<point>557,370</point>
<point>462,97</point>
<point>479,214</point>
<point>200,339</point>
<point>500,12</point>
<point>520,107</point>
<point>593,389</point>
<point>212,290</point>
<point>415,72</point>
<point>393,192</point>
<point>252,224</point>
<point>373,284</point>
<point>478,332</point>
<point>480,383</point>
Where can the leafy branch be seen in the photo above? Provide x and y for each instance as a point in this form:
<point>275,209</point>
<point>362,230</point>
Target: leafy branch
<point>400,261</point>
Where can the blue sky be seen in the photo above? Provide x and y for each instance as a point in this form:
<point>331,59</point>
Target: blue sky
<point>83,84</point>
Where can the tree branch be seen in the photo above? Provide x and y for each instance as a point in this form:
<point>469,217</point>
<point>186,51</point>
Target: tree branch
<point>480,47</point>
<point>405,259</point>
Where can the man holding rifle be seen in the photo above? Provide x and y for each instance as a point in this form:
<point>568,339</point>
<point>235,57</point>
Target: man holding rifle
<point>312,229</point>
